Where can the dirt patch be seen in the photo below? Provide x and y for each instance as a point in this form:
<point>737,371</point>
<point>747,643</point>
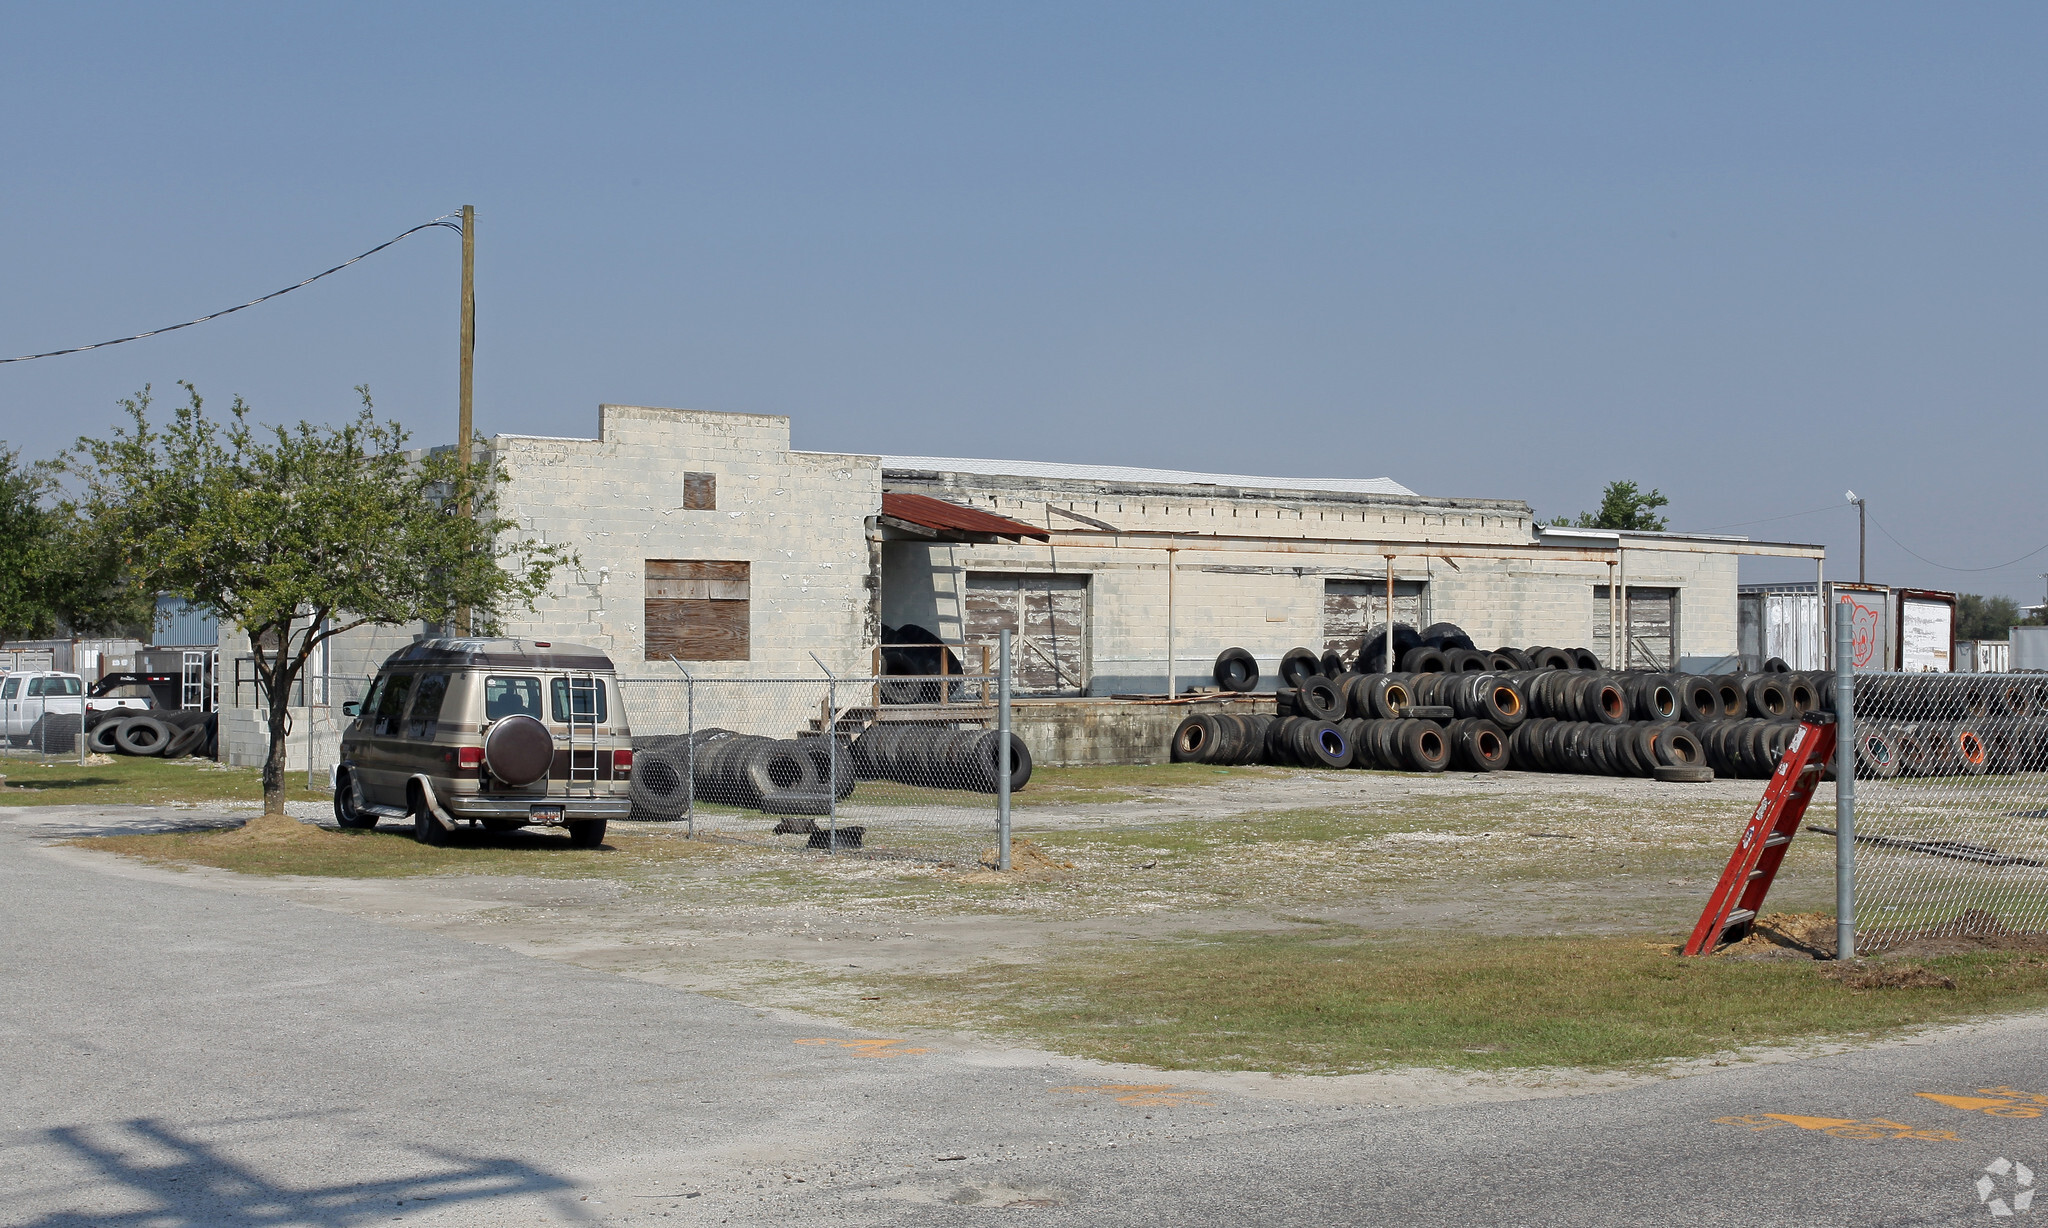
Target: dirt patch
<point>1027,860</point>
<point>1800,935</point>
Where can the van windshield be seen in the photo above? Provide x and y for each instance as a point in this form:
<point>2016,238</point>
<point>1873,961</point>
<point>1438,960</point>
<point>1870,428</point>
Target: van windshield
<point>513,696</point>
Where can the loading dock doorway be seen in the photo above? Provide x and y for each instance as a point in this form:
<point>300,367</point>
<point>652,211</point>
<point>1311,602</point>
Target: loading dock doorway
<point>1352,607</point>
<point>1047,616</point>
<point>1652,621</point>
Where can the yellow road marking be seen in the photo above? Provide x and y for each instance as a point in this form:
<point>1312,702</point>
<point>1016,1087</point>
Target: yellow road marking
<point>1145,1094</point>
<point>2008,1103</point>
<point>1867,1129</point>
<point>863,1048</point>
<point>1968,1104</point>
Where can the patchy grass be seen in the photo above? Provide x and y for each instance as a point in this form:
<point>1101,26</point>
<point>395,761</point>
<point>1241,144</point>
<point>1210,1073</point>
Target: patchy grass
<point>128,781</point>
<point>1068,786</point>
<point>1330,1000</point>
<point>394,854</point>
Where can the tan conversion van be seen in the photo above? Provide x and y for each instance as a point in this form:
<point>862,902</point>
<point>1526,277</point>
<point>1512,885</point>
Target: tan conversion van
<point>505,733</point>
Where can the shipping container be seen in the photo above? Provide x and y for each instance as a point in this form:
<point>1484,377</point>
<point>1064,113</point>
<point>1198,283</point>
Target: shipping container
<point>1982,656</point>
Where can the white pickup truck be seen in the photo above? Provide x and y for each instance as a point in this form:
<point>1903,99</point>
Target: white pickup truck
<point>42,708</point>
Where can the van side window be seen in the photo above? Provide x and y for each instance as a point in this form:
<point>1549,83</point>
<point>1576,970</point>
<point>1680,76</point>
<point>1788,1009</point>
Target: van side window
<point>513,696</point>
<point>588,696</point>
<point>392,705</point>
<point>10,688</point>
<point>426,706</point>
<point>52,686</point>
<point>368,712</point>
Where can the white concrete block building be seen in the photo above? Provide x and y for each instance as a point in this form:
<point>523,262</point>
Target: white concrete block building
<point>706,541</point>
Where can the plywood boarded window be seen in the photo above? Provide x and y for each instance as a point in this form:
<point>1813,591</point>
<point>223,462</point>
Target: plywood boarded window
<point>700,492</point>
<point>696,610</point>
<point>1047,616</point>
<point>1652,629</point>
<point>1352,607</point>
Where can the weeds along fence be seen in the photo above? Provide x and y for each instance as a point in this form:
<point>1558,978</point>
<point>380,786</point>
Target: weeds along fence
<point>1951,806</point>
<point>882,767</point>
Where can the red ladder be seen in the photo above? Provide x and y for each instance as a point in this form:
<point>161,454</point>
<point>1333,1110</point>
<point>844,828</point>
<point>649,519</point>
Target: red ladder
<point>1740,894</point>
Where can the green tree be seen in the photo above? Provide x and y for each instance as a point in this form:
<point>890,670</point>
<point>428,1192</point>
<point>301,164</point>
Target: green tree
<point>1986,618</point>
<point>1623,506</point>
<point>299,534</point>
<point>58,572</point>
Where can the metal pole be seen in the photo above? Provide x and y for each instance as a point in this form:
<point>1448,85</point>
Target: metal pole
<point>689,740</point>
<point>1391,664</point>
<point>1613,604</point>
<point>1003,754</point>
<point>466,379</point>
<point>1627,640</point>
<point>1862,513</point>
<point>1845,786</point>
<point>1172,683</point>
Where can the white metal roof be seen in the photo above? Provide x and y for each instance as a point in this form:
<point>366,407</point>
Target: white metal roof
<point>1125,473</point>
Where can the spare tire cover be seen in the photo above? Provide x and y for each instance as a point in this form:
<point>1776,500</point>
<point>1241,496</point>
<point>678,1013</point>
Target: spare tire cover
<point>519,750</point>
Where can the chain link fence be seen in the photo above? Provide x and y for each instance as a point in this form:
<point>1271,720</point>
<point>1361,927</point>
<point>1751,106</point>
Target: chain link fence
<point>39,727</point>
<point>893,766</point>
<point>1951,806</point>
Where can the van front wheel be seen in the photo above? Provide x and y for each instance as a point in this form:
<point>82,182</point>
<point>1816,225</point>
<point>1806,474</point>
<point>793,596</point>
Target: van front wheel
<point>588,834</point>
<point>345,812</point>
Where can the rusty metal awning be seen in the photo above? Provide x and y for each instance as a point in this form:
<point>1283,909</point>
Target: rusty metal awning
<point>937,520</point>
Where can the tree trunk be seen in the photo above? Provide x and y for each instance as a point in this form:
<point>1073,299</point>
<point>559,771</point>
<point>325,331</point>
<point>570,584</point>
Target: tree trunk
<point>273,763</point>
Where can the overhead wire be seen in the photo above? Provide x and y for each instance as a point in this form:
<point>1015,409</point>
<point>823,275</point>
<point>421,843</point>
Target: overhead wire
<point>444,221</point>
<point>1944,566</point>
<point>1768,519</point>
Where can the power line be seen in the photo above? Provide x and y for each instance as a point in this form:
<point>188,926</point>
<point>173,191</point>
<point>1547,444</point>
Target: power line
<point>1944,566</point>
<point>1768,519</point>
<point>442,221</point>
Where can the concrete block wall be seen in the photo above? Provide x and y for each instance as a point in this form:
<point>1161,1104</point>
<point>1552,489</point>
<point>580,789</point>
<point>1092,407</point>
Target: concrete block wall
<point>799,519</point>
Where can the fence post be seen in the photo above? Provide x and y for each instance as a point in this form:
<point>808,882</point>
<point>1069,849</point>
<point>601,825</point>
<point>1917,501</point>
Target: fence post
<point>689,740</point>
<point>831,764</point>
<point>1845,786</point>
<point>1003,753</point>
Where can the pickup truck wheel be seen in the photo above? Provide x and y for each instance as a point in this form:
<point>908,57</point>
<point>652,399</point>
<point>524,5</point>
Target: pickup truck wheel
<point>345,812</point>
<point>587,834</point>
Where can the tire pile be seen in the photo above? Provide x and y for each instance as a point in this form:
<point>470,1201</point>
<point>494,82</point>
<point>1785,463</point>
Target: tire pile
<point>791,775</point>
<point>1950,725</point>
<point>158,734</point>
<point>1453,705</point>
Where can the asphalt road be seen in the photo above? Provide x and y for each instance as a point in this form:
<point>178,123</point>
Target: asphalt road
<point>180,1055</point>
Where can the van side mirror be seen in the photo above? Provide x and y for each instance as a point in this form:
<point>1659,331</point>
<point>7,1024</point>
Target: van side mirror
<point>353,707</point>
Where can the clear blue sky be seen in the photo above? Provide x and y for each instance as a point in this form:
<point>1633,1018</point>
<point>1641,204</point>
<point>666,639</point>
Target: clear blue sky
<point>1750,254</point>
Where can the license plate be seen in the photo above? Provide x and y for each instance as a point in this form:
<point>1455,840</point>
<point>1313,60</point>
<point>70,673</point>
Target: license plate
<point>549,815</point>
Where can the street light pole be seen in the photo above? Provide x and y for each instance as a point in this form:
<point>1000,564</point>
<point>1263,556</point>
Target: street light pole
<point>1862,512</point>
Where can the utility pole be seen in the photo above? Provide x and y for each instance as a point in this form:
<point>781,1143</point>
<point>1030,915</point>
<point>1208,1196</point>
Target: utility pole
<point>466,380</point>
<point>1862,513</point>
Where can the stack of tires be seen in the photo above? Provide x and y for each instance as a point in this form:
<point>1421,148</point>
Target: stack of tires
<point>938,757</point>
<point>1951,725</point>
<point>153,733</point>
<point>721,767</point>
<point>1454,705</point>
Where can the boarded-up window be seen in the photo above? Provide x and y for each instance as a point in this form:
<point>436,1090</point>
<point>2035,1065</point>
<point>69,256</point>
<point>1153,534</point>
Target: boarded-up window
<point>1652,629</point>
<point>1048,620</point>
<point>696,610</point>
<point>1351,607</point>
<point>700,492</point>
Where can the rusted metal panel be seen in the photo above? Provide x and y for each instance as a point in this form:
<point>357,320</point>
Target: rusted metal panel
<point>700,492</point>
<point>930,513</point>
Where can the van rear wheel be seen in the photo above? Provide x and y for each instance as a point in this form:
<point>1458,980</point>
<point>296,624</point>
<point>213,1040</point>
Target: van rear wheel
<point>425,827</point>
<point>587,834</point>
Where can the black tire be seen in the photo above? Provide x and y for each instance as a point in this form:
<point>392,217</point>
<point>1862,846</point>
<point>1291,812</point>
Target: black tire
<point>1371,657</point>
<point>1481,746</point>
<point>1195,740</point>
<point>661,778</point>
<point>345,812</point>
<point>100,740</point>
<point>1550,658</point>
<point>1333,664</point>
<point>1877,754</point>
<point>1605,704</point>
<point>1734,696</point>
<point>1424,748</point>
<point>1299,663</point>
<point>1684,775</point>
<point>1584,658</point>
<point>1318,699</point>
<point>1677,747</point>
<point>1424,660</point>
<point>55,733</point>
<point>425,827</point>
<point>142,735</point>
<point>185,741</point>
<point>1776,665</point>
<point>1321,744</point>
<point>1388,694</point>
<point>586,833</point>
<point>1466,661</point>
<point>1698,700</point>
<point>1767,700</point>
<point>1236,670</point>
<point>1517,659</point>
